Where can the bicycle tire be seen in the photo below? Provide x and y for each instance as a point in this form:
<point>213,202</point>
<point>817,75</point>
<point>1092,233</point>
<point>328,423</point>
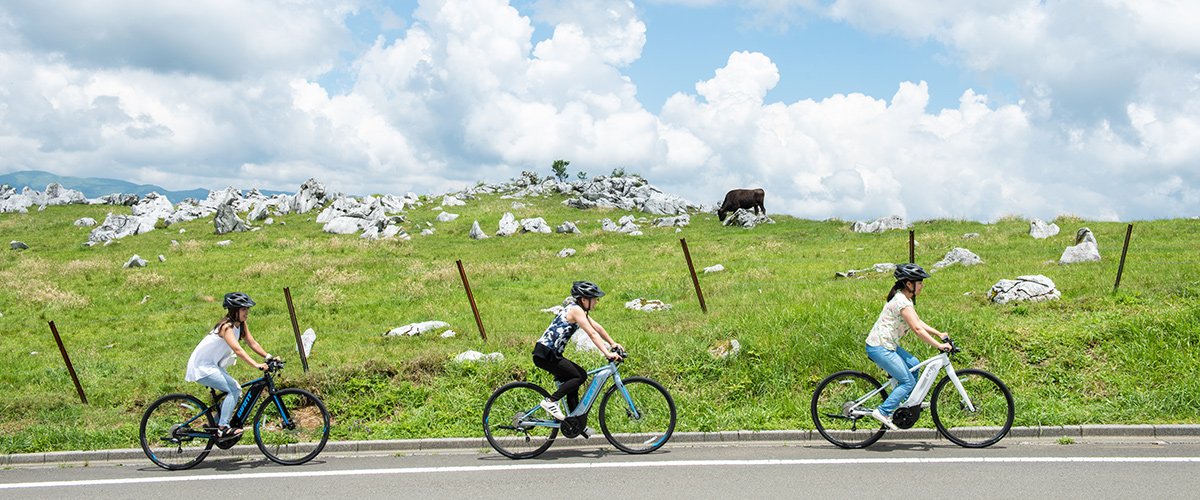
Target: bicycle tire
<point>510,402</point>
<point>831,399</point>
<point>160,432</point>
<point>300,436</point>
<point>650,432</point>
<point>983,388</point>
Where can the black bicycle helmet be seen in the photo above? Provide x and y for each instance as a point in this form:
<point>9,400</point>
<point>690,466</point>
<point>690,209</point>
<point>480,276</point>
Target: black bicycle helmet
<point>235,300</point>
<point>586,289</point>
<point>910,272</point>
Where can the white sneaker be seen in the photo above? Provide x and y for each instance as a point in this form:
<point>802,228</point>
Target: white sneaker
<point>552,408</point>
<point>886,420</point>
<point>587,433</point>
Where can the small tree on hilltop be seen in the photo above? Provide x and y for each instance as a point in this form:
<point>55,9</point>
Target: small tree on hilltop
<point>560,169</point>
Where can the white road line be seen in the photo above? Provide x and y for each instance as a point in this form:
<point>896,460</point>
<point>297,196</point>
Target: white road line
<point>598,465</point>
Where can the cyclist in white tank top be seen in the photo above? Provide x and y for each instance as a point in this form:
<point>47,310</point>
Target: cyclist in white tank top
<point>220,349</point>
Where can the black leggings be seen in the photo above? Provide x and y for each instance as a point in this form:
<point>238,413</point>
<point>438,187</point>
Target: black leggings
<point>568,373</point>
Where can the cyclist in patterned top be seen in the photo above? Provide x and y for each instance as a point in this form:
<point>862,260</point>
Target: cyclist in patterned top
<point>548,351</point>
<point>899,316</point>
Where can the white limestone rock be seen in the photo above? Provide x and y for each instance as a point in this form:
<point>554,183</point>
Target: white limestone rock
<point>566,252</point>
<point>714,269</point>
<point>508,225</point>
<point>641,304</point>
<point>477,233</point>
<point>880,225</point>
<point>1041,230</point>
<point>1084,249</point>
<point>959,256</point>
<point>416,328</point>
<point>1035,288</point>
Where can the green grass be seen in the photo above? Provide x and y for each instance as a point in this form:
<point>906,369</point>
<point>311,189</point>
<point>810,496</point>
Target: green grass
<point>1092,357</point>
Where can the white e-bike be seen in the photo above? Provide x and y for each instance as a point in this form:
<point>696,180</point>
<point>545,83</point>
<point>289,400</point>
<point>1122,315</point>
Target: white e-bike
<point>970,407</point>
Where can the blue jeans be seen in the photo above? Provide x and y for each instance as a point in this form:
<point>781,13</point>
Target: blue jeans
<point>223,382</point>
<point>895,363</point>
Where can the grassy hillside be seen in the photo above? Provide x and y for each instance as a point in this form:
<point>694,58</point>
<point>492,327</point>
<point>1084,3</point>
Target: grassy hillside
<point>1093,357</point>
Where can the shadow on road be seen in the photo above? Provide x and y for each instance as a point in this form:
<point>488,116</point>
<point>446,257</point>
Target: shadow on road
<point>566,453</point>
<point>231,464</point>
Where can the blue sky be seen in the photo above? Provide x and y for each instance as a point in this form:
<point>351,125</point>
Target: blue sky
<point>838,108</point>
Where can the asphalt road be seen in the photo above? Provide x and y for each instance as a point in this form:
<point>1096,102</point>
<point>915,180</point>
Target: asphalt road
<point>1014,468</point>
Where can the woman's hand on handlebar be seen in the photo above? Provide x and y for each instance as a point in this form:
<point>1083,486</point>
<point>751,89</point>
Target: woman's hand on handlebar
<point>612,355</point>
<point>618,347</point>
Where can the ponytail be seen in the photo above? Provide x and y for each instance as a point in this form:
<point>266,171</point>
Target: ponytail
<point>895,288</point>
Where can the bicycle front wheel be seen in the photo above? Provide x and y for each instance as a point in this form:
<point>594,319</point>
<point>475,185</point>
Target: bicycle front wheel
<point>981,427</point>
<point>838,408</point>
<point>515,424</point>
<point>291,427</point>
<point>173,433</point>
<point>639,419</point>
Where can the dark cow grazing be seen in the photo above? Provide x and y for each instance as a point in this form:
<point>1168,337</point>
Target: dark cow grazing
<point>742,198</point>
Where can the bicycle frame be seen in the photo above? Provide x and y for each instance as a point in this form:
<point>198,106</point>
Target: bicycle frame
<point>252,390</point>
<point>599,377</point>
<point>932,367</point>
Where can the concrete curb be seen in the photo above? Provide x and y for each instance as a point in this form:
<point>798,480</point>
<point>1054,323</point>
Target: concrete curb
<point>479,443</point>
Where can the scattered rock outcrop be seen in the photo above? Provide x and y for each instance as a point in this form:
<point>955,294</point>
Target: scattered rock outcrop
<point>1034,288</point>
<point>1084,250</point>
<point>959,256</point>
<point>1039,229</point>
<point>747,219</point>
<point>416,328</point>
<point>641,304</point>
<point>880,225</point>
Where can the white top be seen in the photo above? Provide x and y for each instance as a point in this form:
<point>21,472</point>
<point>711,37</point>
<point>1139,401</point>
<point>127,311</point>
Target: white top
<point>211,355</point>
<point>890,326</point>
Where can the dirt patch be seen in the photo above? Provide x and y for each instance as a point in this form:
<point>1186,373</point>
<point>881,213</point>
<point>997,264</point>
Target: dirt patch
<point>78,266</point>
<point>424,369</point>
<point>260,269</point>
<point>327,295</point>
<point>49,294</point>
<point>145,279</point>
<point>336,276</point>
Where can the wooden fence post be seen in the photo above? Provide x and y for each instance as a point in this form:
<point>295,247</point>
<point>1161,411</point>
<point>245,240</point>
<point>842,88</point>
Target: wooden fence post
<point>287,294</point>
<point>67,359</point>
<point>471,297</point>
<point>695,281</point>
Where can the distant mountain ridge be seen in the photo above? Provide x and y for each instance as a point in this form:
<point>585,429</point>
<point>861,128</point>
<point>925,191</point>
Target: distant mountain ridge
<point>93,187</point>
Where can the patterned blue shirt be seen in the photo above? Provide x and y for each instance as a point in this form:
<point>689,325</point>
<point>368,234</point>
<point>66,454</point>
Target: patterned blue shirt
<point>559,332</point>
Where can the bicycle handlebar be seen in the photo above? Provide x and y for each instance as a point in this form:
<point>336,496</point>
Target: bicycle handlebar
<point>620,352</point>
<point>953,348</point>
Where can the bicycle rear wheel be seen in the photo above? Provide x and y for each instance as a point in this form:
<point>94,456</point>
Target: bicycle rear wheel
<point>292,427</point>
<point>833,409</point>
<point>643,427</point>
<point>987,424</point>
<point>173,433</point>
<point>514,423</point>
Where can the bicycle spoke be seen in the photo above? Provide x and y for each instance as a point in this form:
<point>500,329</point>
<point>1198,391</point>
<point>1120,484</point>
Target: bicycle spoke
<point>166,437</point>
<point>292,427</point>
<point>982,422</point>
<point>834,403</point>
<point>647,425</point>
<point>514,423</point>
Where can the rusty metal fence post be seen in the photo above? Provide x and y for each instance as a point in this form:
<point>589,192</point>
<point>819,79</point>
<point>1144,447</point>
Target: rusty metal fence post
<point>912,246</point>
<point>287,294</point>
<point>471,297</point>
<point>1124,250</point>
<point>70,368</point>
<point>695,281</point>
